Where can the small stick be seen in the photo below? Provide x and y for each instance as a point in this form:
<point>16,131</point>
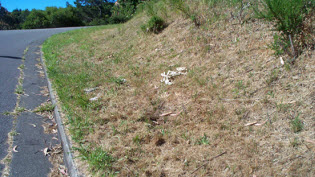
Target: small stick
<point>292,48</point>
<point>166,114</point>
<point>310,141</point>
<point>207,161</point>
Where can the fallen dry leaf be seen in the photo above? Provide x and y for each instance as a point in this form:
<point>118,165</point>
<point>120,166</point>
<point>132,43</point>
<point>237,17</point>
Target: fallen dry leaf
<point>14,149</point>
<point>57,149</point>
<point>47,151</point>
<point>33,125</point>
<point>63,170</point>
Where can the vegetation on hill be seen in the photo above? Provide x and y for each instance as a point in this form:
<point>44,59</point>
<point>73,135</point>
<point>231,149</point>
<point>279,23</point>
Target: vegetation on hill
<point>235,103</point>
<point>84,13</point>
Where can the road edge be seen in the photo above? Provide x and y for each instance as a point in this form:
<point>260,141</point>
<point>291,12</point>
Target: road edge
<point>66,145</point>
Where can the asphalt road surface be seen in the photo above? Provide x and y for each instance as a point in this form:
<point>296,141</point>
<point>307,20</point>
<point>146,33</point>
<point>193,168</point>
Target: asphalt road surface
<point>29,138</point>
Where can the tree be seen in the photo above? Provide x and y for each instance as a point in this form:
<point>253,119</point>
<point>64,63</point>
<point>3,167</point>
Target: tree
<point>65,17</point>
<point>6,21</point>
<point>124,10</point>
<point>36,19</point>
<point>19,16</point>
<point>92,10</point>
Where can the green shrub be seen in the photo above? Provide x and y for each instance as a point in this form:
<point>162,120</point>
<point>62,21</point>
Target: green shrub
<point>155,25</point>
<point>289,17</point>
<point>116,19</point>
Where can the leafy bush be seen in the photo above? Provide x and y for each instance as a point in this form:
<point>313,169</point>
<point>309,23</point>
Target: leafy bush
<point>124,10</point>
<point>36,19</point>
<point>63,17</point>
<point>289,17</point>
<point>156,24</point>
<point>116,19</point>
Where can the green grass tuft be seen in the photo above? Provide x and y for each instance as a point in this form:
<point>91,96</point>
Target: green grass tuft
<point>45,108</point>
<point>297,124</point>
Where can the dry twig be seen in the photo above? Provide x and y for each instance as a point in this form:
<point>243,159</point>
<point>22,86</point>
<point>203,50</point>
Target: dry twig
<point>207,161</point>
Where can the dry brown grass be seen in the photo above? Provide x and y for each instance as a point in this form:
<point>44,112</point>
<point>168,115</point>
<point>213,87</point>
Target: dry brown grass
<point>233,79</point>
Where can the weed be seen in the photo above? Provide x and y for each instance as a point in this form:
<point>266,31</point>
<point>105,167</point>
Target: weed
<point>150,9</point>
<point>195,19</point>
<point>271,94</point>
<point>14,133</point>
<point>297,124</point>
<point>240,85</point>
<point>295,142</point>
<point>278,45</point>
<point>21,81</point>
<point>287,66</point>
<point>6,113</point>
<point>115,131</point>
<point>22,66</point>
<point>203,140</point>
<point>47,107</point>
<point>283,107</point>
<point>118,80</point>
<point>136,140</point>
<point>165,132</point>
<point>155,25</point>
<point>20,109</point>
<point>19,90</point>
<point>274,75</point>
<point>98,159</point>
<point>8,160</point>
<point>240,111</point>
<point>181,6</point>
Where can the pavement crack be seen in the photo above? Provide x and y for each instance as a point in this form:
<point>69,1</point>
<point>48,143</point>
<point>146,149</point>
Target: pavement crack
<point>19,91</point>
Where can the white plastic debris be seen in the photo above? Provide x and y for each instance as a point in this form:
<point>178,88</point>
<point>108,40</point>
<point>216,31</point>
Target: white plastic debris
<point>166,78</point>
<point>281,61</point>
<point>88,90</point>
<point>95,98</point>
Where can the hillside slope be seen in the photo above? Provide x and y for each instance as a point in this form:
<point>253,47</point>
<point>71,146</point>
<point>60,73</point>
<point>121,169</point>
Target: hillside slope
<point>235,96</point>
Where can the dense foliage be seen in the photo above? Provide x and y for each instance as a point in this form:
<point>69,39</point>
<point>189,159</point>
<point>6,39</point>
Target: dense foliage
<point>154,25</point>
<point>83,13</point>
<point>291,20</point>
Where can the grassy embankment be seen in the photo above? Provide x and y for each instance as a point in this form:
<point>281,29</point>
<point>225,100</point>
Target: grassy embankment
<point>236,97</point>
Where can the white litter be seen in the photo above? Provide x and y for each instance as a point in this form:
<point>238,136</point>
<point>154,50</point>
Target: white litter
<point>95,98</point>
<point>281,61</point>
<point>88,90</point>
<point>166,78</point>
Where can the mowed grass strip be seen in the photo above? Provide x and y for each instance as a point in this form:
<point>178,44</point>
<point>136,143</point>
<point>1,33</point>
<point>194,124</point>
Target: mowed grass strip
<point>71,74</point>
